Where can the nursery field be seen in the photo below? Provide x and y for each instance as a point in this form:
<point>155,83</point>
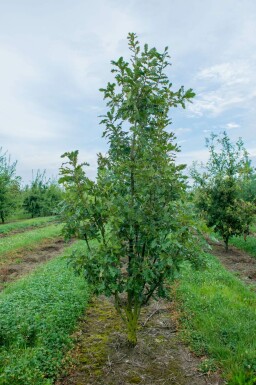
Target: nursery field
<point>26,244</point>
<point>52,332</point>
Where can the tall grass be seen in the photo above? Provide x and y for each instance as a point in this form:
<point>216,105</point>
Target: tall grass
<point>248,245</point>
<point>219,319</point>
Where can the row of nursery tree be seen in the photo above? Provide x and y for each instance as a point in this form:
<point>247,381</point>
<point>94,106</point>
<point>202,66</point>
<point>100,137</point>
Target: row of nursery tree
<point>39,198</point>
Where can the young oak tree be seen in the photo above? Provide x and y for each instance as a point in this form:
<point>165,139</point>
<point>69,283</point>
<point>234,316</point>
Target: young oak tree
<point>219,188</point>
<point>133,220</point>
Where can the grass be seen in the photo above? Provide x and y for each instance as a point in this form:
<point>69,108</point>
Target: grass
<point>37,316</point>
<point>27,240</point>
<point>219,320</point>
<point>20,225</point>
<point>249,245</point>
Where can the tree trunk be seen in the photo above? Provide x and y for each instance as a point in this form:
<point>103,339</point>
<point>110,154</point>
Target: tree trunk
<point>132,324</point>
<point>2,217</point>
<point>226,244</point>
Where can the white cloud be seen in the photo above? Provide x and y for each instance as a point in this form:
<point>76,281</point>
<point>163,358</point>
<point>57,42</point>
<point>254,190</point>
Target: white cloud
<point>182,130</point>
<point>225,86</point>
<point>191,156</point>
<point>229,74</point>
<point>20,118</point>
<point>231,126</point>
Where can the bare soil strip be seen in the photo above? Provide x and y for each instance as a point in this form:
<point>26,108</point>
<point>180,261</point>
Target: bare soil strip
<point>103,357</point>
<point>237,261</point>
<point>23,262</point>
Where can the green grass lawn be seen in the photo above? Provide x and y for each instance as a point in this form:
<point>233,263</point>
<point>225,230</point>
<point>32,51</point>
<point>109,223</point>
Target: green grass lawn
<point>37,316</point>
<point>219,320</point>
<point>27,240</point>
<point>20,225</point>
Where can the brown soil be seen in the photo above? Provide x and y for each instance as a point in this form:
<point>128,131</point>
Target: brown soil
<point>237,261</point>
<point>103,357</point>
<point>24,262</point>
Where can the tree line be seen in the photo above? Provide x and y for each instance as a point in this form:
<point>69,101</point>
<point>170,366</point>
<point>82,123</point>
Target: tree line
<point>40,197</point>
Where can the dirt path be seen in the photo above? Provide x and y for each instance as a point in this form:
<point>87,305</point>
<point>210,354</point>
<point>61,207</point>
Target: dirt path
<point>237,261</point>
<point>103,357</point>
<point>26,261</point>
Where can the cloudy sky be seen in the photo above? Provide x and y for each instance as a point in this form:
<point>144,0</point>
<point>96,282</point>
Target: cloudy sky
<point>55,55</point>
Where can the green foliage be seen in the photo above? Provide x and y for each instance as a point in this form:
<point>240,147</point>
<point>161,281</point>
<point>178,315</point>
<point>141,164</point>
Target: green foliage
<point>9,186</point>
<point>207,366</point>
<point>37,316</point>
<point>219,319</point>
<point>248,183</point>
<point>134,212</point>
<point>42,197</point>
<point>247,244</point>
<point>218,190</point>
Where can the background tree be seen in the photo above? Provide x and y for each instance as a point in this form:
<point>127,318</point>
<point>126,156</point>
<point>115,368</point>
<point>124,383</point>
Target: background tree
<point>132,218</point>
<point>9,186</point>
<point>219,188</point>
<point>42,197</point>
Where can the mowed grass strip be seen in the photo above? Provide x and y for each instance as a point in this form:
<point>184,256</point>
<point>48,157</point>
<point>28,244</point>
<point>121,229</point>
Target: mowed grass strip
<point>37,316</point>
<point>27,223</point>
<point>218,316</point>
<point>27,241</point>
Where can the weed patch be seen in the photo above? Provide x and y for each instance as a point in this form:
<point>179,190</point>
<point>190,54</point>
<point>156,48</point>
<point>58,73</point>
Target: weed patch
<point>37,315</point>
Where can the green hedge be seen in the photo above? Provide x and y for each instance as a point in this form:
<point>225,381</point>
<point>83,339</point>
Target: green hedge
<point>37,315</point>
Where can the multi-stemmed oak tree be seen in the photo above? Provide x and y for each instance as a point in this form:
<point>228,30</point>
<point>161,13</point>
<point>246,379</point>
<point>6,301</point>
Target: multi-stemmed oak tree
<point>132,217</point>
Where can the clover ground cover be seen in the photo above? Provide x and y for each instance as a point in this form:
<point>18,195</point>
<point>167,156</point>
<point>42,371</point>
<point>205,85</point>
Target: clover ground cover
<point>37,315</point>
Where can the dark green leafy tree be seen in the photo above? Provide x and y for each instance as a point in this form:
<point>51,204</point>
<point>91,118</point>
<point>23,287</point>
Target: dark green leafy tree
<point>42,197</point>
<point>133,219</point>
<point>219,187</point>
<point>248,183</point>
<point>9,186</point>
